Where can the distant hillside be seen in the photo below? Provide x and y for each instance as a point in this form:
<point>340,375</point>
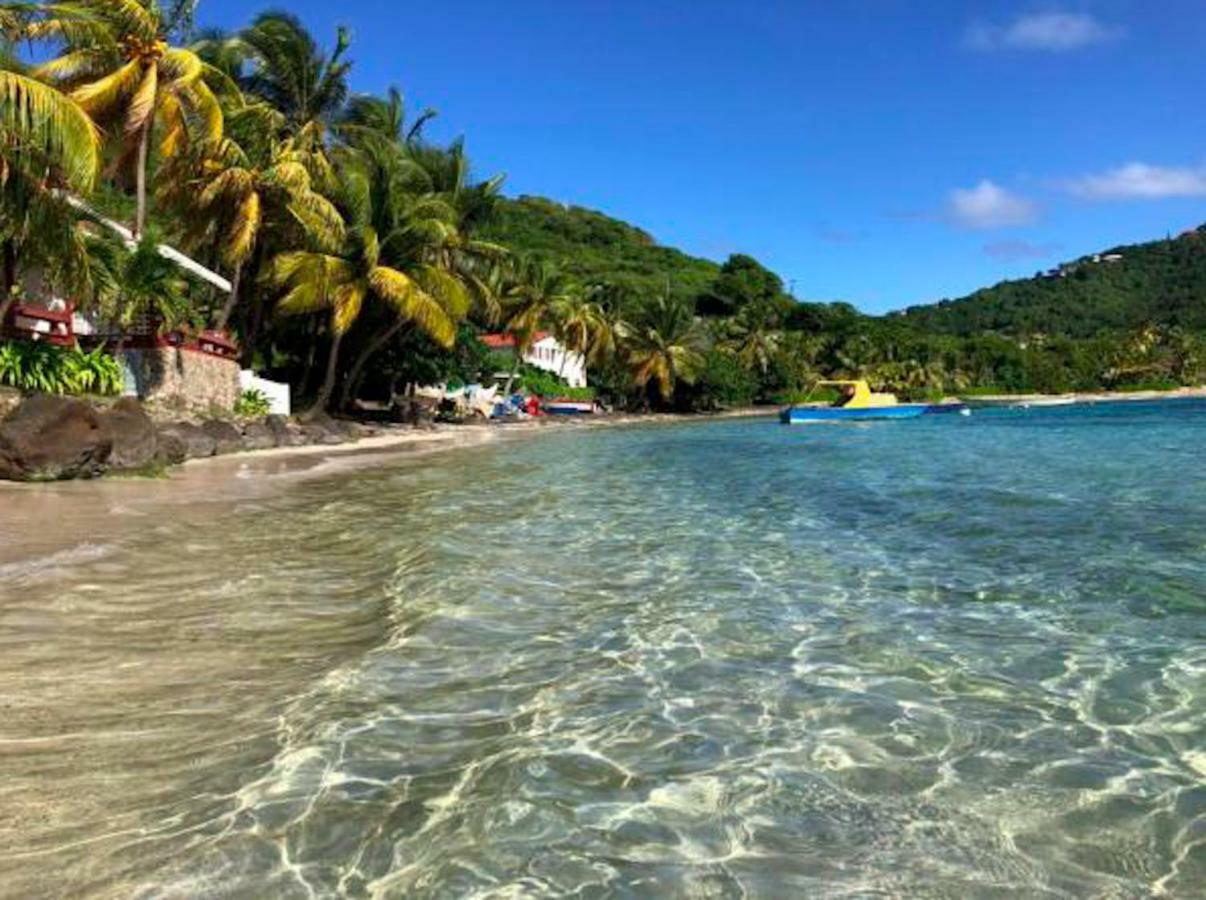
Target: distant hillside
<point>594,247</point>
<point>1162,282</point>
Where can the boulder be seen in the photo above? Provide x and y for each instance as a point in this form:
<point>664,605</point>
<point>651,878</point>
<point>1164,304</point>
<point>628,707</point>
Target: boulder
<point>170,447</point>
<point>197,444</point>
<point>227,438</point>
<point>49,437</point>
<point>320,433</point>
<point>10,399</point>
<point>283,433</point>
<point>258,436</point>
<point>132,432</point>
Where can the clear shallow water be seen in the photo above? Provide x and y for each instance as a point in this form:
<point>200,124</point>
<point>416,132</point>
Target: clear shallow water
<point>950,657</point>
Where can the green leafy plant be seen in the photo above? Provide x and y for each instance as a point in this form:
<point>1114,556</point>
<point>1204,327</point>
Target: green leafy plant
<point>42,367</point>
<point>546,384</point>
<point>252,404</point>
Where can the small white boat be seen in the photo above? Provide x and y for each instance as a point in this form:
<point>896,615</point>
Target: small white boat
<point>569,407</point>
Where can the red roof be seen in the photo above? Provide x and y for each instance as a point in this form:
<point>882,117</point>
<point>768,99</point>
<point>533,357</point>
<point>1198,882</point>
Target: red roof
<point>496,341</point>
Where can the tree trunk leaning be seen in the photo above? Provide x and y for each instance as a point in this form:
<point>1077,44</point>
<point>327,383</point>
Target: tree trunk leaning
<point>353,380</point>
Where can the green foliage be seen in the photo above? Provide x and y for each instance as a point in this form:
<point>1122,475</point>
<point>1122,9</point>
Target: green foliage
<point>34,366</point>
<point>743,281</point>
<point>1162,282</point>
<point>546,384</point>
<point>252,404</point>
<point>593,248</point>
<point>723,382</point>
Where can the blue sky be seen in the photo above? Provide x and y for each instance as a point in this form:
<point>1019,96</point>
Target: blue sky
<point>884,152</point>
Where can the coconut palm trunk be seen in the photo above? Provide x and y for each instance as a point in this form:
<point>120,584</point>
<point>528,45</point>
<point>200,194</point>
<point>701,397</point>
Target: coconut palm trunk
<point>350,386</point>
<point>140,177</point>
<point>514,372</point>
<point>328,383</point>
<point>231,300</point>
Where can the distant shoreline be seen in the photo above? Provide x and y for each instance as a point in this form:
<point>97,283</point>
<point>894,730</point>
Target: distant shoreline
<point>1085,397</point>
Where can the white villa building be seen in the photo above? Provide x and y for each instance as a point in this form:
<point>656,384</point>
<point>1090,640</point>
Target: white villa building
<point>545,353</point>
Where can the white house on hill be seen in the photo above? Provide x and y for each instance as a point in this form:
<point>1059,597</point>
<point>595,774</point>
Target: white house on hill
<point>545,353</point>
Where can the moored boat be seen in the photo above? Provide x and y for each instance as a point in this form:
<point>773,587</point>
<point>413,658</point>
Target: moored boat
<point>569,407</point>
<point>858,403</point>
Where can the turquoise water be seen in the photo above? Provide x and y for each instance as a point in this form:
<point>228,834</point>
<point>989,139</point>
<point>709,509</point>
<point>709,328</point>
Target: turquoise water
<point>948,657</point>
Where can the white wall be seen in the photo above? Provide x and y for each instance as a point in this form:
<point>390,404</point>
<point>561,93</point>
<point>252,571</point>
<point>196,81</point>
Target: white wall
<point>277,392</point>
<point>549,355</point>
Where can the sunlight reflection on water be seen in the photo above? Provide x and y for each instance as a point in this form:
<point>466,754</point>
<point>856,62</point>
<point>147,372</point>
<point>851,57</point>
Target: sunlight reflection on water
<point>725,659</point>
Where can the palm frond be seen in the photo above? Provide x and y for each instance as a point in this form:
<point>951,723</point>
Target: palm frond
<point>38,116</point>
<point>142,104</point>
<point>100,97</point>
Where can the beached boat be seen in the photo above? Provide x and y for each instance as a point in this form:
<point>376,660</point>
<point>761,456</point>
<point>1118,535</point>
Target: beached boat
<point>569,407</point>
<point>857,403</point>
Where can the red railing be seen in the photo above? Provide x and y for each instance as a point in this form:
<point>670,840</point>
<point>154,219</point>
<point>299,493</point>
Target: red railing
<point>28,322</point>
<point>212,343</point>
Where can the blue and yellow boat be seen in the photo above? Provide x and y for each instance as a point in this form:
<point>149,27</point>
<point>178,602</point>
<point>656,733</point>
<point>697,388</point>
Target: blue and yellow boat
<point>856,402</point>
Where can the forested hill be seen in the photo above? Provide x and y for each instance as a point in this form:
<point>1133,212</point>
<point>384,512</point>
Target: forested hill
<point>1160,283</point>
<point>593,247</point>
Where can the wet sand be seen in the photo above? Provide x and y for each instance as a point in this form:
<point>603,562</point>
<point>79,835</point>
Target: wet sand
<point>40,522</point>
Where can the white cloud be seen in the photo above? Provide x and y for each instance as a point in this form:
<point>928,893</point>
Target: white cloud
<point>1139,180</point>
<point>988,205</point>
<point>1054,31</point>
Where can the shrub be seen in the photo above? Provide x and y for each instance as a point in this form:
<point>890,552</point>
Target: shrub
<point>252,404</point>
<point>546,384</point>
<point>43,367</point>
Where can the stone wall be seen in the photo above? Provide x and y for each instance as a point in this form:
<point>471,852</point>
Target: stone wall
<point>184,379</point>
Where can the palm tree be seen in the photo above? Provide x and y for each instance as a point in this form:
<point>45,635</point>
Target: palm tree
<point>423,223</point>
<point>753,336</point>
<point>141,283</point>
<point>339,283</point>
<point>117,65</point>
<point>292,74</point>
<point>531,299</point>
<point>48,142</point>
<point>666,345</point>
<point>381,118</point>
<point>237,189</point>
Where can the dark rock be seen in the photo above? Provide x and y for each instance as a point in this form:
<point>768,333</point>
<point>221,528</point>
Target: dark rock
<point>53,437</point>
<point>197,444</point>
<point>227,438</point>
<point>285,435</point>
<point>321,420</point>
<point>258,436</point>
<point>320,432</point>
<point>133,434</point>
<point>170,448</point>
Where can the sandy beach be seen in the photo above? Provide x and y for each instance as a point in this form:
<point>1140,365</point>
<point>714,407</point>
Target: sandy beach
<point>39,522</point>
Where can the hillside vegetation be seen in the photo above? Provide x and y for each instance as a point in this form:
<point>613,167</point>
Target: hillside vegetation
<point>1159,283</point>
<point>594,248</point>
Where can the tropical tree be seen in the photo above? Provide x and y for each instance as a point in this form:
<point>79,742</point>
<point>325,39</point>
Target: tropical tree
<point>232,191</point>
<point>293,75</point>
<point>753,336</point>
<point>47,144</point>
<point>666,346</point>
<point>141,284</point>
<point>116,64</point>
<point>414,291</point>
<point>381,118</point>
<point>535,292</point>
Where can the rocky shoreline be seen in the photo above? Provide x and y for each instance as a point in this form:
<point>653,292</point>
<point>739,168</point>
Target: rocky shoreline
<point>46,437</point>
